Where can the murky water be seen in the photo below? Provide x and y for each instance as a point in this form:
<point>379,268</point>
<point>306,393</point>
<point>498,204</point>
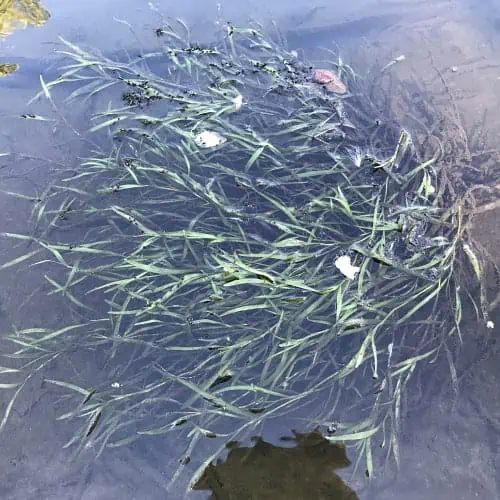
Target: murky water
<point>449,440</point>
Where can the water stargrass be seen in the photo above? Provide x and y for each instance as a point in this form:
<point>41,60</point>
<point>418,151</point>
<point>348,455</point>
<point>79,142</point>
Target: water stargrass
<point>207,277</point>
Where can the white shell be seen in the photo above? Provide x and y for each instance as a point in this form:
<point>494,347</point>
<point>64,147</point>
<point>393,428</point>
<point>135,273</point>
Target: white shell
<point>209,139</point>
<point>343,264</point>
<point>490,324</point>
<point>238,102</point>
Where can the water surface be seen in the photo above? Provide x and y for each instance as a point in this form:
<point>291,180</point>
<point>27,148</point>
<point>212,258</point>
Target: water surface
<point>449,441</point>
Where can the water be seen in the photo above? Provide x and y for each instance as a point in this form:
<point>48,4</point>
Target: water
<point>449,442</point>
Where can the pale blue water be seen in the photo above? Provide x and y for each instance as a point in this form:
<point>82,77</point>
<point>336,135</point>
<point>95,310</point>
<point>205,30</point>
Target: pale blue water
<point>449,443</point>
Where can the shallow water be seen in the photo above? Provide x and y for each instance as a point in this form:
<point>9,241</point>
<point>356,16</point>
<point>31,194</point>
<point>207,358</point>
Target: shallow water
<point>450,441</point>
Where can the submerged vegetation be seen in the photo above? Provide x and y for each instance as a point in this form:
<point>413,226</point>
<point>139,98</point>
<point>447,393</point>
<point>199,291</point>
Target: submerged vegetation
<point>208,275</point>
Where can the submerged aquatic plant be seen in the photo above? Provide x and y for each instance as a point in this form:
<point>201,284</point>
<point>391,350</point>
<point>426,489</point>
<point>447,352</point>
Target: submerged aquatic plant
<point>209,277</point>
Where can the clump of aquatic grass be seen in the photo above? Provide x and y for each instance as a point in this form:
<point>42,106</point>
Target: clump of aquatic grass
<point>208,276</point>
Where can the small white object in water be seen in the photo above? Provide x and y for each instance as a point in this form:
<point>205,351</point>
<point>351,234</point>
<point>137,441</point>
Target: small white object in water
<point>397,59</point>
<point>209,139</point>
<point>427,185</point>
<point>343,264</point>
<point>238,102</point>
<point>490,324</point>
<point>356,156</point>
